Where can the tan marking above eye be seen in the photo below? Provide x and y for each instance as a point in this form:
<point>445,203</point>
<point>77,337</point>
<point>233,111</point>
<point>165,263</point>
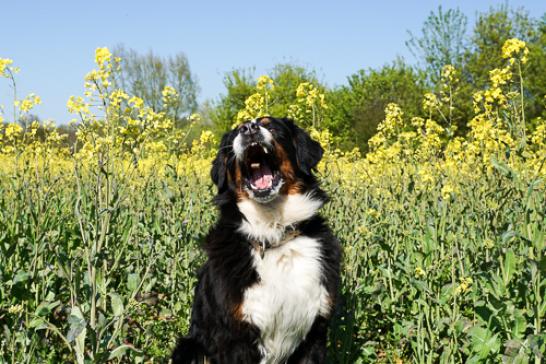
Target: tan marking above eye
<point>264,121</point>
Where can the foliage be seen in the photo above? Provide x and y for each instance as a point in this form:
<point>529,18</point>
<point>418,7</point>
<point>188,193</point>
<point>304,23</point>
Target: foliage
<point>536,83</point>
<point>239,85</point>
<point>146,76</point>
<point>490,32</point>
<point>444,235</point>
<point>358,108</point>
<point>442,41</point>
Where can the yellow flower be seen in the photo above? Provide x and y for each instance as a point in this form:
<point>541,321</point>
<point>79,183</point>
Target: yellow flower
<point>419,272</point>
<point>512,47</point>
<point>500,77</point>
<point>430,101</point>
<point>373,213</point>
<point>15,309</point>
<point>206,136</point>
<point>136,102</point>
<point>489,243</point>
<point>257,104</point>
<point>449,74</point>
<point>4,63</point>
<point>28,102</point>
<point>427,177</point>
<point>13,130</point>
<point>363,230</point>
<point>264,82</point>
<point>77,105</point>
<point>464,285</point>
<point>102,56</point>
<point>170,96</point>
<point>195,118</point>
<point>447,191</point>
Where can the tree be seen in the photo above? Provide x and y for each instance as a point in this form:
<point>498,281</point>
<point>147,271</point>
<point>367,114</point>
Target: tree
<point>358,108</point>
<point>287,77</point>
<point>147,75</point>
<point>239,84</point>
<point>535,74</point>
<point>491,30</point>
<point>441,43</point>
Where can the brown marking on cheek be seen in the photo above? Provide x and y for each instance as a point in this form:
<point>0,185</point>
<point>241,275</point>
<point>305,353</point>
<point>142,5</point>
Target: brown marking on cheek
<point>291,184</point>
<point>285,166</point>
<point>239,183</point>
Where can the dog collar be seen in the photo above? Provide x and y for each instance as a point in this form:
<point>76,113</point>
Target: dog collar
<point>290,232</point>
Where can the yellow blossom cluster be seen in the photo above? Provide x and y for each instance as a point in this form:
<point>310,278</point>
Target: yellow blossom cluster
<point>169,96</point>
<point>464,285</point>
<point>77,105</point>
<point>4,64</point>
<point>26,104</point>
<point>257,104</point>
<point>430,102</point>
<point>310,105</point>
<point>515,49</point>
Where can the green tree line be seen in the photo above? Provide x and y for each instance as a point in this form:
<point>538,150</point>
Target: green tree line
<point>356,108</point>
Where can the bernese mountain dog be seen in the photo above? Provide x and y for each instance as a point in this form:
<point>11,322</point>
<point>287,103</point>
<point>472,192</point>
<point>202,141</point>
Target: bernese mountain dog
<point>268,288</point>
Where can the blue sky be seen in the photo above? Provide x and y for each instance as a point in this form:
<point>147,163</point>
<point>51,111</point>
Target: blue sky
<point>54,41</point>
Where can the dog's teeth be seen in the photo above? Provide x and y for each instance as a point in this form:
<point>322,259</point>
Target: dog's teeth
<point>253,144</point>
<point>255,165</point>
<point>265,150</point>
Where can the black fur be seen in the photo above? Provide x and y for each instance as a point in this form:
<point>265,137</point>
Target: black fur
<point>216,330</point>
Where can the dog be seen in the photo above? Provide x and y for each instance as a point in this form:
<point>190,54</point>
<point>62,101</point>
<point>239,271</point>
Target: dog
<point>268,289</point>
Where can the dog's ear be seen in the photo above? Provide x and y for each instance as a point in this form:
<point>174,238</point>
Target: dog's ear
<point>218,172</point>
<point>308,151</point>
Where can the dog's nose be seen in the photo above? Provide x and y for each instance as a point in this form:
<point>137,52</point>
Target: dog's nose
<point>249,128</point>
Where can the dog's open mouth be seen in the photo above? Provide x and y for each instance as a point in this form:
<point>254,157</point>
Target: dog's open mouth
<point>261,170</point>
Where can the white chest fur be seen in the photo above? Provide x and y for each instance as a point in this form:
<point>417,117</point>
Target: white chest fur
<point>288,298</point>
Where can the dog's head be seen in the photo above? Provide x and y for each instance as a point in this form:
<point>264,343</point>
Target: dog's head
<point>264,158</point>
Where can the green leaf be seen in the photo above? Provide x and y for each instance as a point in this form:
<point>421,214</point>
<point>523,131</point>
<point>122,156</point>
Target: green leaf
<point>21,277</point>
<point>519,325</point>
<point>37,323</point>
<point>508,267</point>
<point>483,342</point>
<point>132,281</point>
<point>120,351</point>
<point>502,167</point>
<point>45,308</point>
<point>117,304</point>
<point>77,325</point>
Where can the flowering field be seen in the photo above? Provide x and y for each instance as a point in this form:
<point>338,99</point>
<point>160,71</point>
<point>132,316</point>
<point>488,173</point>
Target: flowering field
<point>444,235</point>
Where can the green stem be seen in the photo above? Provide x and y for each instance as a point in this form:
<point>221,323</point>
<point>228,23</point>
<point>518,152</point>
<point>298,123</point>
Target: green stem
<point>523,134</point>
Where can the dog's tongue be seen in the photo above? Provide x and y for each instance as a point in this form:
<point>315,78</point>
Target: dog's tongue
<point>262,177</point>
